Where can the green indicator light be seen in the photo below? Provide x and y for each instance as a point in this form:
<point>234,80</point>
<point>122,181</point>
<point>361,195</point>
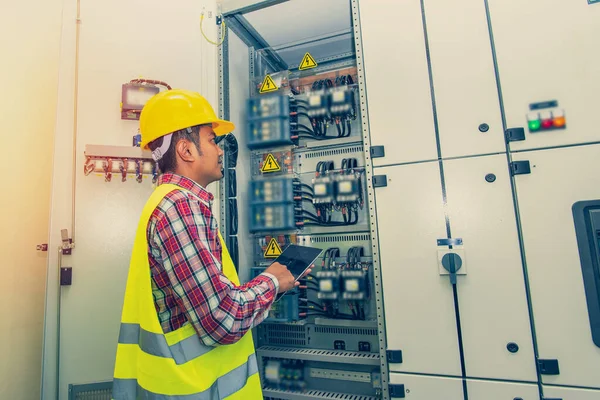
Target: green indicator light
<point>534,125</point>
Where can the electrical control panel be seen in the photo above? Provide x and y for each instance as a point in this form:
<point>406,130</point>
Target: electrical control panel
<point>313,195</point>
<point>304,150</point>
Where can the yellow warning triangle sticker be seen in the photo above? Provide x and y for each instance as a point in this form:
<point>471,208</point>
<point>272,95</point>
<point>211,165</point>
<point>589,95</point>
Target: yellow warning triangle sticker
<point>268,85</point>
<point>273,249</point>
<point>307,62</point>
<point>270,164</point>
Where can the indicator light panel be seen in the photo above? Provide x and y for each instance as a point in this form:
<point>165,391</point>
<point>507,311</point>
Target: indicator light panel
<point>546,120</point>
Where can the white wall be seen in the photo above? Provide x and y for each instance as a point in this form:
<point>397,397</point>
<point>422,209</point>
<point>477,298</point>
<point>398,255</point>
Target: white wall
<point>119,40</point>
<point>29,48</point>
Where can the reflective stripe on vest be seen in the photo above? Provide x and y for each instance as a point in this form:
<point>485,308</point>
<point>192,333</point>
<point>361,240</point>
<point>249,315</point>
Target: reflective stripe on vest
<point>153,365</point>
<point>225,386</point>
<point>156,344</point>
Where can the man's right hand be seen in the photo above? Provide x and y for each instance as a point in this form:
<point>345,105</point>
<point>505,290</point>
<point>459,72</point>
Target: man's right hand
<point>283,276</point>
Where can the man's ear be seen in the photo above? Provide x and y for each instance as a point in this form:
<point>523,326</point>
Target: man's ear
<point>184,150</point>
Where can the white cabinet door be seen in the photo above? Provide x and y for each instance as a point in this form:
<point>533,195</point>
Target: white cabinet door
<point>464,80</point>
<point>486,390</point>
<point>419,306</point>
<point>397,77</point>
<point>548,51</point>
<point>553,392</point>
<point>559,178</point>
<point>418,387</point>
<point>492,299</point>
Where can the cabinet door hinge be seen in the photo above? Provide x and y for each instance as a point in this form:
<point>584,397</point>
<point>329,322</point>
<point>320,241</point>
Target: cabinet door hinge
<point>520,168</point>
<point>377,151</point>
<point>379,181</point>
<point>394,356</point>
<point>548,367</point>
<point>515,134</point>
<point>397,391</point>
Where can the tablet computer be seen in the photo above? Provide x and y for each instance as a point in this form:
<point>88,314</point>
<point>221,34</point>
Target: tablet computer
<point>297,259</point>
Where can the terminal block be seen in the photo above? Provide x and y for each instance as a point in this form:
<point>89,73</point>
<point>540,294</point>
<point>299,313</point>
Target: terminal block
<point>285,374</point>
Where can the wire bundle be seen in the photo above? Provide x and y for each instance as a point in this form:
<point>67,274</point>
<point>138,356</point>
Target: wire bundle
<point>231,146</point>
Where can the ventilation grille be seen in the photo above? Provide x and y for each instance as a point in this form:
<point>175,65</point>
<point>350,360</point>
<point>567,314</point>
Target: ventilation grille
<point>334,152</point>
<point>290,335</point>
<point>346,331</point>
<point>278,394</point>
<point>339,238</point>
<point>91,391</point>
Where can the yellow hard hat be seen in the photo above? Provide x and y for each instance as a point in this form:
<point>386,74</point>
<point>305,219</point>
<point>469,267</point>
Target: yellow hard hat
<point>173,110</point>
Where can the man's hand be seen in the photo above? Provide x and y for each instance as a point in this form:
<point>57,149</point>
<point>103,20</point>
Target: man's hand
<point>284,276</point>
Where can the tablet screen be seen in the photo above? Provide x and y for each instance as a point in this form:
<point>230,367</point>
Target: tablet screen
<point>298,258</point>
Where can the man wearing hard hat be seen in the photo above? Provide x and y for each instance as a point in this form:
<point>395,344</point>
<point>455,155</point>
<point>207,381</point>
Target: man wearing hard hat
<point>185,326</point>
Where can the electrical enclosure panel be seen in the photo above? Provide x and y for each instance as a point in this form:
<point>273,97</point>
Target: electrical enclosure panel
<point>548,62</point>
<point>481,212</point>
<point>426,332</point>
<point>466,94</point>
<point>492,390</point>
<point>559,179</point>
<point>553,392</point>
<point>398,88</point>
<point>419,387</point>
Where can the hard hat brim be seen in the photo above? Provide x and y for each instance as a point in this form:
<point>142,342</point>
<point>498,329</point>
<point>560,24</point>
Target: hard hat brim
<point>222,127</point>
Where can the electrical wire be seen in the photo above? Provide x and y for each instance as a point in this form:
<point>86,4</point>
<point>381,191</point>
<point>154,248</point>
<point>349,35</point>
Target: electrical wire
<point>223,31</point>
<point>152,82</point>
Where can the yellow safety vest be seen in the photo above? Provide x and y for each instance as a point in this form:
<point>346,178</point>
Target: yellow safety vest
<point>152,364</point>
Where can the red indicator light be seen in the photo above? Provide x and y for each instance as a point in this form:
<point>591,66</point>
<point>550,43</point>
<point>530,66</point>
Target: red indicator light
<point>547,124</point>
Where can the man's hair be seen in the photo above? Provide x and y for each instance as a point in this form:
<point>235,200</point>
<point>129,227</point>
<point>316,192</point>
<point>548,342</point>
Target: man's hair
<point>168,162</point>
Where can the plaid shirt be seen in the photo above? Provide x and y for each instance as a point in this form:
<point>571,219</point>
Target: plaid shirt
<point>185,262</point>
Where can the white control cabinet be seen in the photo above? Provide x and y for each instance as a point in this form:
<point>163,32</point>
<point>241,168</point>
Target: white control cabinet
<point>475,203</point>
<point>558,179</point>
<point>444,81</point>
<point>548,51</point>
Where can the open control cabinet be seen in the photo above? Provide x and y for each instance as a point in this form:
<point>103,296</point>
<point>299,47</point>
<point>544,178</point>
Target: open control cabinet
<point>299,172</point>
